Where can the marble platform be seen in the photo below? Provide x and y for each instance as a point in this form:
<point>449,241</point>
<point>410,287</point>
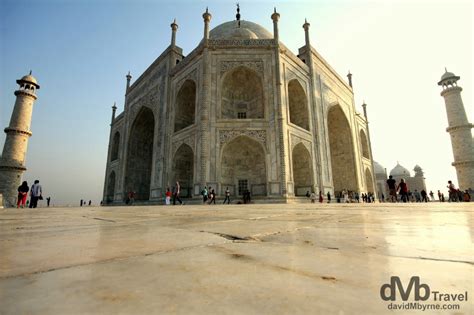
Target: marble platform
<point>237,259</point>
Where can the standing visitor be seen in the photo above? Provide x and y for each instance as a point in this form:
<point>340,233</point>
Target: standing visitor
<point>392,189</point>
<point>36,194</point>
<point>320,196</point>
<point>90,202</point>
<point>467,196</point>
<point>403,187</point>
<point>329,197</point>
<point>227,196</point>
<point>48,201</point>
<point>177,193</point>
<point>168,196</point>
<point>23,190</point>
<point>82,202</point>
<point>432,195</point>
<point>439,196</point>
<point>313,197</point>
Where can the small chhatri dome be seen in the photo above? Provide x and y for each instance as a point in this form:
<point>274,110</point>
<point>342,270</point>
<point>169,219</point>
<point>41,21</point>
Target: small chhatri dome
<point>378,168</point>
<point>448,77</point>
<point>400,171</point>
<point>28,79</point>
<point>247,30</point>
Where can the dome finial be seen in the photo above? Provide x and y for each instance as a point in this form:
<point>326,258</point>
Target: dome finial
<point>31,72</point>
<point>237,16</point>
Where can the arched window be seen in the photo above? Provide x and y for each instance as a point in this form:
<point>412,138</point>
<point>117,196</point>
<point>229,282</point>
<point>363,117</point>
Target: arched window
<point>298,105</point>
<point>185,106</point>
<point>115,147</point>
<point>242,94</point>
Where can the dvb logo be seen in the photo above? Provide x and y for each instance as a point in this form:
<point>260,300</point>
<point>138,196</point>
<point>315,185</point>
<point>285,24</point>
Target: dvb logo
<point>404,293</point>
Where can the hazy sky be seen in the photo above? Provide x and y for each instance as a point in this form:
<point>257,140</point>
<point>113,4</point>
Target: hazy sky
<point>80,52</point>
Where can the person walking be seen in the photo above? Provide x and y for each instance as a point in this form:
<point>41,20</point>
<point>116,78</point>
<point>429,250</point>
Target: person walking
<point>424,196</point>
<point>392,189</point>
<point>452,191</point>
<point>227,196</point>
<point>212,196</point>
<point>204,194</point>
<point>36,194</point>
<point>177,193</point>
<point>432,195</point>
<point>403,187</point>
<point>82,202</point>
<point>48,201</point>
<point>168,196</point>
<point>23,190</point>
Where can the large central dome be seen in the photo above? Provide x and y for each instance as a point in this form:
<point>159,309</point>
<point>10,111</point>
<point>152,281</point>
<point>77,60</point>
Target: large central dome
<point>247,30</point>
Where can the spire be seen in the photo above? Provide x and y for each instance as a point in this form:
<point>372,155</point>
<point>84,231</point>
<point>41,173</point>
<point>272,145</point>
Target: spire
<point>349,77</point>
<point>174,28</point>
<point>364,107</point>
<point>31,72</point>
<point>275,17</point>
<point>306,32</point>
<point>207,19</point>
<point>237,16</point>
<point>129,77</point>
<point>114,109</point>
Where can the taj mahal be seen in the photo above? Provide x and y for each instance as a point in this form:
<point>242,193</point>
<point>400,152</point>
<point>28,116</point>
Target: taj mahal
<point>239,112</point>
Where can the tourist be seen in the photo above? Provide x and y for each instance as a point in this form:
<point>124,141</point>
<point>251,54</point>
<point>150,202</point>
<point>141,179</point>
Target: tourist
<point>383,197</point>
<point>439,196</point>
<point>307,194</point>
<point>329,197</point>
<point>357,197</point>
<point>320,196</point>
<point>204,194</point>
<point>442,197</point>
<point>227,196</point>
<point>467,196</point>
<point>312,197</point>
<point>392,189</point>
<point>460,195</point>
<point>48,201</point>
<point>452,191</point>
<point>90,202</point>
<point>212,196</point>
<point>177,192</point>
<point>23,190</point>
<point>168,196</point>
<point>403,187</point>
<point>36,194</point>
<point>432,195</point>
<point>82,202</point>
<point>424,196</point>
<point>131,197</point>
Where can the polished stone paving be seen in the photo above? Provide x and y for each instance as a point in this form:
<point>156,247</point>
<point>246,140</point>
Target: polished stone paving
<point>237,259</point>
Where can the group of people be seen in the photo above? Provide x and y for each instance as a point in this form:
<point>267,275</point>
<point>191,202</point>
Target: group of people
<point>344,196</point>
<point>209,195</point>
<point>406,195</point>
<point>174,194</point>
<point>83,202</point>
<point>36,194</point>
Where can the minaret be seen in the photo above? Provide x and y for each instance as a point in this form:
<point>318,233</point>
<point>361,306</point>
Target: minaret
<point>12,161</point>
<point>275,18</point>
<point>174,28</point>
<point>207,19</point>
<point>459,129</point>
<point>306,33</point>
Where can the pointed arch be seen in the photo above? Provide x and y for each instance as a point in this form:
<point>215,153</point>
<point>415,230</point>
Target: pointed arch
<point>302,170</point>
<point>298,104</point>
<point>242,94</point>
<point>140,155</point>
<point>185,108</point>
<point>364,144</point>
<point>343,163</point>
<point>369,183</point>
<point>243,166</point>
<point>183,169</point>
<point>115,147</point>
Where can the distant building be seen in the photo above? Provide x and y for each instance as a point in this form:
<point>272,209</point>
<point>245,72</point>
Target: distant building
<point>416,182</point>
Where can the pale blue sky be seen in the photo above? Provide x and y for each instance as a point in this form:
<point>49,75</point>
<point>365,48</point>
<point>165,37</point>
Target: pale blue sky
<point>80,52</point>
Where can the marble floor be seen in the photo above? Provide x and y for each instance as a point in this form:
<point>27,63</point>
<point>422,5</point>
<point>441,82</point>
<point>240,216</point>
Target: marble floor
<point>237,259</point>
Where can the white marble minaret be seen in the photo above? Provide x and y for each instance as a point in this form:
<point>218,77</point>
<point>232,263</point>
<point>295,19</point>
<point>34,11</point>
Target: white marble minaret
<point>12,161</point>
<point>459,129</point>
